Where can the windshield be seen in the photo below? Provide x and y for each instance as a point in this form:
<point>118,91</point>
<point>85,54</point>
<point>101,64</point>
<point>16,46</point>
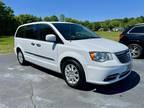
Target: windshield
<point>74,31</point>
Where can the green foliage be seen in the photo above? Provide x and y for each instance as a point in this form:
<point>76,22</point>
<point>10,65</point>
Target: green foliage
<point>9,22</point>
<point>62,18</point>
<point>6,44</point>
<point>51,18</point>
<point>46,18</point>
<point>71,20</point>
<point>27,18</point>
<point>109,35</point>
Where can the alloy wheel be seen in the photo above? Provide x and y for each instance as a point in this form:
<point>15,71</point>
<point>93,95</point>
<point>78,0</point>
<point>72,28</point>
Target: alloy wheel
<point>72,74</point>
<point>135,50</point>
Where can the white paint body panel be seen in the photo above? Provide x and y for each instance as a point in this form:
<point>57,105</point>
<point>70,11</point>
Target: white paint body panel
<point>95,72</point>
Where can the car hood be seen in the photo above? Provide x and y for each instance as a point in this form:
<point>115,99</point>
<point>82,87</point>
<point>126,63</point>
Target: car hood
<point>99,44</point>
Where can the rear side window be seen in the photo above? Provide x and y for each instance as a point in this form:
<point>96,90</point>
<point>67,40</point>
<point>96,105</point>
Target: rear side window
<point>20,32</point>
<point>30,32</point>
<point>138,30</point>
<point>36,31</point>
<point>127,29</point>
<point>44,30</point>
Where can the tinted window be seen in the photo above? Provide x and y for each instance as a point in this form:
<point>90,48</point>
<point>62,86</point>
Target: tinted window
<point>30,32</point>
<point>20,32</point>
<point>127,29</point>
<point>74,31</point>
<point>137,30</point>
<point>44,30</point>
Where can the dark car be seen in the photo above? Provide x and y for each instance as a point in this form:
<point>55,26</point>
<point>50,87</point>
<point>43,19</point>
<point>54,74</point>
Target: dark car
<point>133,37</point>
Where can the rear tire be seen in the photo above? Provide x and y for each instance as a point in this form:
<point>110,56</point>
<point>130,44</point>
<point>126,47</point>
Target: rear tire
<point>20,58</point>
<point>73,74</point>
<point>136,50</point>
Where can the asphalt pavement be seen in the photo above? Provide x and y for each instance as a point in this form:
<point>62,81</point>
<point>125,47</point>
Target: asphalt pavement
<point>32,86</point>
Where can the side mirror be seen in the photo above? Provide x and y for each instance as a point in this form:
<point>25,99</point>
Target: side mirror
<point>50,38</point>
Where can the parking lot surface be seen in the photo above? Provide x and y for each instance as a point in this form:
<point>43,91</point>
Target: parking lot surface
<point>35,87</point>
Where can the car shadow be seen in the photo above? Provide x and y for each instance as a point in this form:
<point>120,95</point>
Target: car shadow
<point>122,86</point>
<point>50,72</point>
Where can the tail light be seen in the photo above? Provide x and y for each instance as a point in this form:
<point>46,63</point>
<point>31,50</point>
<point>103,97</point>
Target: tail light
<point>121,36</point>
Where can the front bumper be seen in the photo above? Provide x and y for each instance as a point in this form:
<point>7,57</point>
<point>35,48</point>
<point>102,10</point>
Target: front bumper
<point>107,75</point>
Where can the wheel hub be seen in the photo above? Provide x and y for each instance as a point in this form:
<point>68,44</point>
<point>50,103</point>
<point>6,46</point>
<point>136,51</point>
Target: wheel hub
<point>20,57</point>
<point>71,74</point>
<point>135,51</point>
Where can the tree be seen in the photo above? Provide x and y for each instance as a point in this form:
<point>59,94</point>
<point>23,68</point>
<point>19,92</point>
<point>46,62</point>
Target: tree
<point>71,20</point>
<point>125,20</point>
<point>140,19</point>
<point>88,24</point>
<point>46,18</point>
<point>132,21</point>
<point>53,18</point>
<point>62,18</point>
<point>27,18</point>
<point>7,20</point>
<point>115,23</point>
<point>96,26</point>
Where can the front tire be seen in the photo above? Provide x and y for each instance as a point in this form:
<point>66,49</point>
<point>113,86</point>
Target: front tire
<point>136,50</point>
<point>20,58</point>
<point>73,74</point>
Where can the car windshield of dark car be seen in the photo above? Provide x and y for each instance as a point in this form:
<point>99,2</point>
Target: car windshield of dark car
<point>74,31</point>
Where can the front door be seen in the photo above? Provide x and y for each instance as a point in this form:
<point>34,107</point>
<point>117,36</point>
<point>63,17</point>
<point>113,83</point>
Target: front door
<point>46,52</point>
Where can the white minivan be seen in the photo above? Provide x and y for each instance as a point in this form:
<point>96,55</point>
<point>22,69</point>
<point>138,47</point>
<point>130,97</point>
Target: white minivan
<point>73,50</point>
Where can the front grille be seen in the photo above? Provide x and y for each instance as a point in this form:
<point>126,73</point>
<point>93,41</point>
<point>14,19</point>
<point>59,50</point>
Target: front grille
<point>123,56</point>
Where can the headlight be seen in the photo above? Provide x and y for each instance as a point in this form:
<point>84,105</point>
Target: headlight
<point>101,56</point>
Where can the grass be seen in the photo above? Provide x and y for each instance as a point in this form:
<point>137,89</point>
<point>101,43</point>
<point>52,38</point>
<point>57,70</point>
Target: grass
<point>109,35</point>
<point>6,44</point>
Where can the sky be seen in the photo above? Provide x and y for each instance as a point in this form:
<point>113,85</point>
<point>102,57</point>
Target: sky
<point>92,10</point>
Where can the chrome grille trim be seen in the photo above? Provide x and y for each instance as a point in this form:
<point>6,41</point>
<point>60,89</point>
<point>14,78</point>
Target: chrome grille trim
<point>123,56</point>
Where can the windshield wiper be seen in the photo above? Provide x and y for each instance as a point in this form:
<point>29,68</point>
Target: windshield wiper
<point>72,38</point>
<point>90,37</point>
<point>76,38</point>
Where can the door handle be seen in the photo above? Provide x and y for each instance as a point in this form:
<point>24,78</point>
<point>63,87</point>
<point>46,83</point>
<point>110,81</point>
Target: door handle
<point>32,44</point>
<point>38,45</point>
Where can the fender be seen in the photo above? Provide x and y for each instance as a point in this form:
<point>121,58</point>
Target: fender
<point>79,57</point>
